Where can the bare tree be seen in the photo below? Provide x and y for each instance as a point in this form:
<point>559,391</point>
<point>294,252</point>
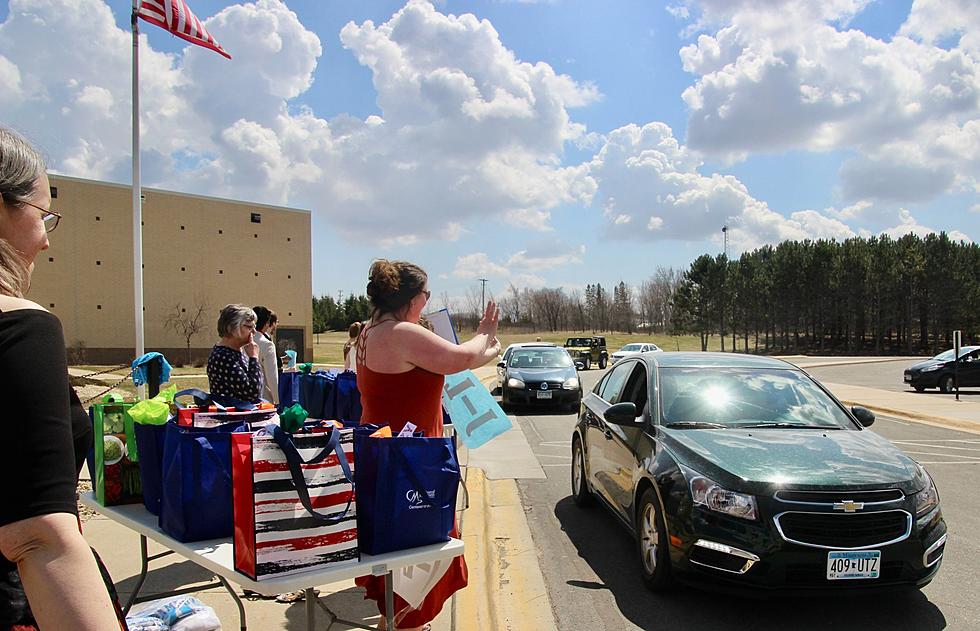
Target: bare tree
<point>656,298</point>
<point>188,321</point>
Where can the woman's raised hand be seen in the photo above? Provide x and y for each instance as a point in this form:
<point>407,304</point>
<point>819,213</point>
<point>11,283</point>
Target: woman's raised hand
<point>488,324</point>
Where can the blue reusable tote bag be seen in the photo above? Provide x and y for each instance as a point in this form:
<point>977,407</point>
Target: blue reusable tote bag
<point>288,389</point>
<point>317,396</point>
<point>149,444</point>
<point>406,491</point>
<point>196,502</point>
<point>348,397</point>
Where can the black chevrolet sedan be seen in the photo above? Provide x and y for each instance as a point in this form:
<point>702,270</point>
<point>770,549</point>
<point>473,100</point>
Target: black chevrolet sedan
<point>540,375</point>
<point>742,472</point>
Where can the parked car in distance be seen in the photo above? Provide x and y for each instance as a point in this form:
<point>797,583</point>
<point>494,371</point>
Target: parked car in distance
<point>939,371</point>
<point>743,473</point>
<point>586,351</point>
<point>634,348</point>
<point>502,361</point>
<point>540,375</point>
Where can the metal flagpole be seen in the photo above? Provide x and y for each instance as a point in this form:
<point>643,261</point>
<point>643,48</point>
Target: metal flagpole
<point>137,196</point>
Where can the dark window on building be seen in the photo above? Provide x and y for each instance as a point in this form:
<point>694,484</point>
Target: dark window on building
<point>50,259</point>
<point>99,307</point>
<point>97,218</point>
<point>289,275</point>
<point>183,269</point>
<point>182,227</point>
<point>289,239</point>
<point>98,262</point>
<point>256,274</point>
<point>221,231</point>
<point>221,271</point>
<point>50,305</point>
<point>256,236</point>
<point>256,217</point>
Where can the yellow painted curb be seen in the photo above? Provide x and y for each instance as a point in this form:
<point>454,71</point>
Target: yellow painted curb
<point>925,419</point>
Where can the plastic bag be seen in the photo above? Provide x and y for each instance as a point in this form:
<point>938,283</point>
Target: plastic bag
<point>154,411</point>
<point>178,613</point>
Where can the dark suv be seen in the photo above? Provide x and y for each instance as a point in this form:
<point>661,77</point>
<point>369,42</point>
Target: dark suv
<point>588,350</point>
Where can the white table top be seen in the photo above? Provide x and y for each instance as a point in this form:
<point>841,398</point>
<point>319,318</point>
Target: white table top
<point>217,554</point>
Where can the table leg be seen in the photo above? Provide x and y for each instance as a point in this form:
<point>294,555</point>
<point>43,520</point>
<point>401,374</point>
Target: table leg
<point>389,600</point>
<point>310,609</point>
<point>238,601</point>
<point>144,565</point>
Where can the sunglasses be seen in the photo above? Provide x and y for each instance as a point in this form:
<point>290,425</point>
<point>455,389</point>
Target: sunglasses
<point>49,217</point>
<point>428,294</point>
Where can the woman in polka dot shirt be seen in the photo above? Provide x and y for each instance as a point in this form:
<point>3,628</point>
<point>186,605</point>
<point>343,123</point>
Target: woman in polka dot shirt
<point>233,366</point>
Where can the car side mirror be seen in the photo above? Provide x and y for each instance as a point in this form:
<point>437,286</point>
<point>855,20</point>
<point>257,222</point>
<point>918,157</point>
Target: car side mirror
<point>501,364</point>
<point>621,413</point>
<point>579,365</point>
<point>864,416</point>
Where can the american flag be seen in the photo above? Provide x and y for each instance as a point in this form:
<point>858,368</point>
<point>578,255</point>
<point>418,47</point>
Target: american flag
<point>177,17</point>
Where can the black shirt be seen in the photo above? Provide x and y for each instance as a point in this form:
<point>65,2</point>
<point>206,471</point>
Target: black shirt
<point>231,375</point>
<point>46,431</point>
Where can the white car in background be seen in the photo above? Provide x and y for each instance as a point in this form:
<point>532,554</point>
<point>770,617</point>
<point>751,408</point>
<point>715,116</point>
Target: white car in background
<point>633,349</point>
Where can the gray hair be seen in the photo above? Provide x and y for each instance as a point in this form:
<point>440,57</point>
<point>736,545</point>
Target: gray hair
<point>20,168</point>
<point>233,317</point>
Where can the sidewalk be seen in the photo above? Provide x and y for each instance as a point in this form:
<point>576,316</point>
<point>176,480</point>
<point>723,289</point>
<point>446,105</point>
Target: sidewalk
<point>941,411</point>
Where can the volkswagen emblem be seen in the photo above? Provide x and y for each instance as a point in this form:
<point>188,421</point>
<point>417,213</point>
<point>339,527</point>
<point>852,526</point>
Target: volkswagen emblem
<point>544,385</point>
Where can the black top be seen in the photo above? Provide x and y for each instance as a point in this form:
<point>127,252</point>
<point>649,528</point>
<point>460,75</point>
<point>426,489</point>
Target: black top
<point>46,431</point>
<point>231,375</point>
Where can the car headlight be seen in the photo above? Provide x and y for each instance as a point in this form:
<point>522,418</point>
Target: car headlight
<point>570,384</point>
<point>514,382</point>
<point>932,368</point>
<point>715,497</point>
<point>926,499</point>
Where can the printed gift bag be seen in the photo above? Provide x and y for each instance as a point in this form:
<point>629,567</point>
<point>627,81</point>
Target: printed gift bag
<point>293,499</point>
<point>406,490</point>
<point>212,411</point>
<point>117,471</point>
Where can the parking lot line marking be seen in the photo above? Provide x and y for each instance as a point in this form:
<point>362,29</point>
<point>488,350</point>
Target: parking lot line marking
<point>917,444</point>
<point>930,453</point>
<point>924,462</point>
<point>969,441</point>
<point>893,420</point>
<point>562,456</point>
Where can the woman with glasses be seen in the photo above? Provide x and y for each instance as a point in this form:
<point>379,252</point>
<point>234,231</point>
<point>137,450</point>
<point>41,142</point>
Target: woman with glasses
<point>400,374</point>
<point>233,366</point>
<point>49,578</point>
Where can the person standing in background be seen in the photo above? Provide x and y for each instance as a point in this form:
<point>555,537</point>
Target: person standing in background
<point>350,348</point>
<point>233,366</point>
<point>265,326</point>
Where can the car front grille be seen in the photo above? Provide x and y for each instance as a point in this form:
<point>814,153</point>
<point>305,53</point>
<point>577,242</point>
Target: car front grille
<point>844,531</point>
<point>536,385</point>
<point>829,498</point>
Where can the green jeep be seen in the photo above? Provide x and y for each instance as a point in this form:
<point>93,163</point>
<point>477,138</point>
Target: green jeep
<point>588,351</point>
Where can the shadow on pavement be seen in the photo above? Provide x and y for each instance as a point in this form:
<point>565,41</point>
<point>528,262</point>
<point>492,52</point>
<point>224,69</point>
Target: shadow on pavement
<point>609,550</point>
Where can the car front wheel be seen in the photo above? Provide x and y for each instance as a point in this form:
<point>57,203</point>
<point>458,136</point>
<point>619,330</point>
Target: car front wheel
<point>580,487</point>
<point>946,384</point>
<point>602,363</point>
<point>588,363</point>
<point>651,543</point>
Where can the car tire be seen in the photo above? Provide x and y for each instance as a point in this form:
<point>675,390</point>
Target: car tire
<point>947,384</point>
<point>651,543</point>
<point>602,363</point>
<point>588,363</point>
<point>919,388</point>
<point>581,494</point>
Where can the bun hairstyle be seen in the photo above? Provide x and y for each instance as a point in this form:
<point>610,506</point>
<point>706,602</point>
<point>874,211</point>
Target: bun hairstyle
<point>393,284</point>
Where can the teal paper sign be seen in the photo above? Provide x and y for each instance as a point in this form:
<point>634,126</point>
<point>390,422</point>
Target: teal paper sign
<point>476,416</point>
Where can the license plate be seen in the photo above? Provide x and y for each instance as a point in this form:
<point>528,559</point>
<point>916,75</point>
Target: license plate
<point>544,395</point>
<point>908,378</point>
<point>851,564</point>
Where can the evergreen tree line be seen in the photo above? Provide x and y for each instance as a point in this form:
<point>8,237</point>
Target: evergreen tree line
<point>879,295</point>
<point>331,315</point>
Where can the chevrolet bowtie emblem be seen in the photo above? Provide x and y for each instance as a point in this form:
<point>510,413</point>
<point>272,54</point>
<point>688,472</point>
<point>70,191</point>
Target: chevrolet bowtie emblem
<point>848,506</point>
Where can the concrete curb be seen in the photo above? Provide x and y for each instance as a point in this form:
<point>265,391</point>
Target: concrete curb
<point>507,589</point>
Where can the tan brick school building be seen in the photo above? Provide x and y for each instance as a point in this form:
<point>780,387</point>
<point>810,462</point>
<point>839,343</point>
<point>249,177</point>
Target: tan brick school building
<point>196,250</point>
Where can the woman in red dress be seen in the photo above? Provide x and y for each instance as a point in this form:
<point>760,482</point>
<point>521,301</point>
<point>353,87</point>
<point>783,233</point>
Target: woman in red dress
<point>400,376</point>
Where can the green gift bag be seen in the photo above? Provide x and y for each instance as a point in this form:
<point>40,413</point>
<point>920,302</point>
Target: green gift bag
<point>117,471</point>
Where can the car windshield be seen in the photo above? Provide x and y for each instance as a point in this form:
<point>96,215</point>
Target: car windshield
<point>736,397</point>
<point>632,348</point>
<point>540,358</point>
<point>948,355</point>
<point>578,341</point>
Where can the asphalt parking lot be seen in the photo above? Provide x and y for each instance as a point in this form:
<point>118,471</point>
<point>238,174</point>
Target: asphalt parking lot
<point>590,567</point>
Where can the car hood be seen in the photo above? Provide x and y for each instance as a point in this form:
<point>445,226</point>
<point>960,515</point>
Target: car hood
<point>924,364</point>
<point>758,459</point>
<point>541,374</point>
<point>625,353</point>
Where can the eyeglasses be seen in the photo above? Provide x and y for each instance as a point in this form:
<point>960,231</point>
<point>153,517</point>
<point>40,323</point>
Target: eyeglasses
<point>49,217</point>
<point>428,294</point>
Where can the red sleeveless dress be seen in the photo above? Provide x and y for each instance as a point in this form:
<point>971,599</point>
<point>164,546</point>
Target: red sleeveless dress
<point>395,399</point>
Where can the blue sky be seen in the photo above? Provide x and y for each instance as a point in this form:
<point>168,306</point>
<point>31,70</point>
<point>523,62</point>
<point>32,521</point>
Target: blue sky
<point>534,143</point>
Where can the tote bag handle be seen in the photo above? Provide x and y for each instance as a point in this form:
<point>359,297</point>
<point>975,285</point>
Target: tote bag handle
<point>294,461</point>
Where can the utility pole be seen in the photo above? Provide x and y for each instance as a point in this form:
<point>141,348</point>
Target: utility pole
<point>483,292</point>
